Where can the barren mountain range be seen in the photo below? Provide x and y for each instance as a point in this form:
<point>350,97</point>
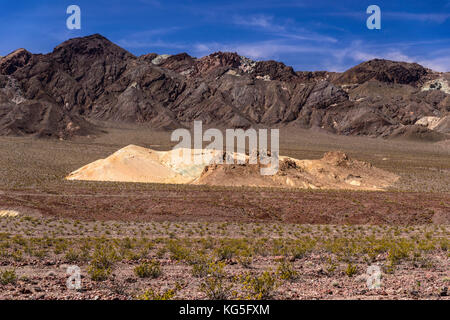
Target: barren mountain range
<point>59,94</point>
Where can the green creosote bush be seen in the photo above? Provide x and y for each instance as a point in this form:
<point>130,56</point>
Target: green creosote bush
<point>167,294</point>
<point>103,259</point>
<point>286,271</point>
<point>225,253</point>
<point>201,267</point>
<point>351,270</point>
<point>214,286</point>
<point>72,256</point>
<point>148,270</point>
<point>8,276</point>
<point>177,251</point>
<point>260,286</point>
<point>245,258</point>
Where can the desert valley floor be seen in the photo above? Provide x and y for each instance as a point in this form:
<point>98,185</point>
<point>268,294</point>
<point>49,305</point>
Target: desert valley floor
<point>161,241</point>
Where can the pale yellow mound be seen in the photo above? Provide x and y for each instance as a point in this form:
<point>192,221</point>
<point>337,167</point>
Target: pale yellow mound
<point>136,164</point>
<point>9,213</point>
<point>130,164</point>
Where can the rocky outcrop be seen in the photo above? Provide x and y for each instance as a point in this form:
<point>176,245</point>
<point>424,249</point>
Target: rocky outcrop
<point>14,60</point>
<point>385,71</point>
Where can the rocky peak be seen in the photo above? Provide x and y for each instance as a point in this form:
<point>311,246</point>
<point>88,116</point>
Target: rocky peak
<point>148,57</point>
<point>17,59</point>
<point>181,63</point>
<point>93,57</point>
<point>385,71</point>
<point>218,60</point>
<point>274,70</point>
<point>91,46</point>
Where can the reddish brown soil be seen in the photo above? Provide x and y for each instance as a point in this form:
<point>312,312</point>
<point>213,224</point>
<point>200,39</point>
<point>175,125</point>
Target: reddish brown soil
<point>169,203</point>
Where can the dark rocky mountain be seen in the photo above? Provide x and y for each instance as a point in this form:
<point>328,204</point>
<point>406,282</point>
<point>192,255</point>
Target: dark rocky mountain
<point>57,94</point>
<point>385,71</point>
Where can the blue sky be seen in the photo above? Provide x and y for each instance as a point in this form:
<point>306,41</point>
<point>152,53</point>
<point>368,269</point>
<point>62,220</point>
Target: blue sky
<point>308,35</point>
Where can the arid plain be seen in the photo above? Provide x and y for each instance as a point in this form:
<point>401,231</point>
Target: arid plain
<point>162,241</point>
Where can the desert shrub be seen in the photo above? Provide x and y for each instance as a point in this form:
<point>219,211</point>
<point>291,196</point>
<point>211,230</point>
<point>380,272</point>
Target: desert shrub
<point>214,286</point>
<point>260,247</point>
<point>17,255</point>
<point>8,276</point>
<point>161,252</point>
<point>351,270</point>
<point>425,245</point>
<point>60,246</point>
<point>103,259</point>
<point>244,258</point>
<point>225,252</point>
<point>259,287</point>
<point>104,256</point>
<point>99,274</point>
<point>286,271</point>
<point>279,247</point>
<point>258,231</point>
<point>132,255</point>
<point>72,256</point>
<point>148,270</point>
<point>443,243</point>
<point>302,247</point>
<point>201,268</point>
<point>207,243</point>
<point>399,251</point>
<point>167,294</point>
<point>177,251</point>
<point>127,243</point>
<point>331,266</point>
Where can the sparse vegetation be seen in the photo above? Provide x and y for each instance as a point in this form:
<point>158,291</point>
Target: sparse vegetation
<point>351,270</point>
<point>214,286</point>
<point>259,286</point>
<point>8,277</point>
<point>286,271</point>
<point>151,294</point>
<point>148,270</point>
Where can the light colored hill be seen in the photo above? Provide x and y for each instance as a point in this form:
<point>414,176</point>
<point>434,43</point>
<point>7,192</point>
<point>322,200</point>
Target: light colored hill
<point>136,164</point>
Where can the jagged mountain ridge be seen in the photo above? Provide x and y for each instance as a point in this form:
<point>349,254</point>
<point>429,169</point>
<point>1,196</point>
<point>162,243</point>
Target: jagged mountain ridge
<point>56,94</point>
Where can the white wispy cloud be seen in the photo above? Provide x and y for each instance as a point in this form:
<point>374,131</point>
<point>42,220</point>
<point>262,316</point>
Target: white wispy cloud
<point>286,29</point>
<point>259,21</point>
<point>135,44</point>
<point>269,49</point>
<point>254,21</point>
<point>422,17</point>
<point>303,34</point>
<point>358,52</point>
<point>150,38</point>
